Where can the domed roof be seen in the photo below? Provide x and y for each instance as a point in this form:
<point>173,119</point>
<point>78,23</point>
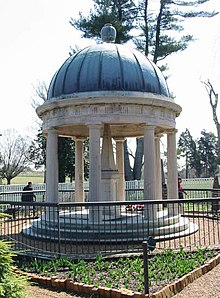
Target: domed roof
<point>107,67</point>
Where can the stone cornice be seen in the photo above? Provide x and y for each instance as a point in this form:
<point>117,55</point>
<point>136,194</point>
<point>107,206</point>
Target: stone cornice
<point>109,113</point>
<point>110,98</point>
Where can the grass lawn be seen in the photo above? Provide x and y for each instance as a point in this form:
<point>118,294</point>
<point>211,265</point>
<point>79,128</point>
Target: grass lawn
<point>23,178</point>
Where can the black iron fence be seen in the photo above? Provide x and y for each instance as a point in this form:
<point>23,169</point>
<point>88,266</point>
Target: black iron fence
<point>87,229</point>
<point>191,193</point>
<point>68,195</point>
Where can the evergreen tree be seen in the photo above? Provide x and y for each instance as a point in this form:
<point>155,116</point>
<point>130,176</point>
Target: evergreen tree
<point>155,28</point>
<point>66,156</point>
<point>185,145</point>
<point>38,150</point>
<point>207,145</point>
<point>201,155</point>
<point>120,13</point>
<point>66,159</point>
<point>157,36</point>
<point>188,150</point>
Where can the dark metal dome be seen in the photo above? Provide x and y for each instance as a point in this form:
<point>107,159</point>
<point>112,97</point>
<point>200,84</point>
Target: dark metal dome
<point>107,67</point>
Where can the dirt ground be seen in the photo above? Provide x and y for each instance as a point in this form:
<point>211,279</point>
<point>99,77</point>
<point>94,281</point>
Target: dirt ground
<point>207,286</point>
<point>35,291</point>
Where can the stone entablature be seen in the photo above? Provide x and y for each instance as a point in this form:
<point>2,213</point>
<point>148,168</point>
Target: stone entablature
<point>133,110</point>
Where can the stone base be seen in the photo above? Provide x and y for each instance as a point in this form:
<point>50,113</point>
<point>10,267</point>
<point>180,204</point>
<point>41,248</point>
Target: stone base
<point>76,227</point>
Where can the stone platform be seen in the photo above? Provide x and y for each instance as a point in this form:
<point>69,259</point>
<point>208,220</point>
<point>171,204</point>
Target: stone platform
<point>128,226</point>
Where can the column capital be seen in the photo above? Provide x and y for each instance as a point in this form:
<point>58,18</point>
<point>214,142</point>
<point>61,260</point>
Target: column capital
<point>94,125</point>
<point>172,131</point>
<point>146,126</point>
<point>159,135</point>
<point>51,130</point>
<point>119,139</point>
<point>81,139</point>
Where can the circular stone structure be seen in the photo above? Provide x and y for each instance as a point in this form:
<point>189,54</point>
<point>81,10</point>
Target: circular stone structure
<point>111,92</point>
<point>108,80</point>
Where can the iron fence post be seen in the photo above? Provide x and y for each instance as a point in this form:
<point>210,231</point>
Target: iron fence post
<point>146,267</point>
<point>58,221</point>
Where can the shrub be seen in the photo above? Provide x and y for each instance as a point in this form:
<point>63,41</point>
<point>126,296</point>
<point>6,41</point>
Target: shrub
<point>11,284</point>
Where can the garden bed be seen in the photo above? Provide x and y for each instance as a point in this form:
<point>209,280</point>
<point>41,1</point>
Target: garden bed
<point>123,274</point>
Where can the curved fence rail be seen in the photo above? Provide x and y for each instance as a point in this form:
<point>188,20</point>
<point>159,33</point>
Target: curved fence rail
<point>68,229</point>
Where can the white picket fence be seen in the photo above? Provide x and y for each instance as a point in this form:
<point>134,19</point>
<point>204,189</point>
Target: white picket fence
<point>201,183</point>
<point>194,183</point>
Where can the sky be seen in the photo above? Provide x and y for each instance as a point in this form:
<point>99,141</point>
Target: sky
<point>36,37</point>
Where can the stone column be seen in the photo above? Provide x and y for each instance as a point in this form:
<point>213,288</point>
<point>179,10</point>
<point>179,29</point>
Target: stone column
<point>52,167</point>
<point>158,168</point>
<point>120,166</point>
<point>94,163</point>
<point>109,174</point>
<point>172,174</point>
<point>94,171</point>
<point>79,171</point>
<point>149,171</point>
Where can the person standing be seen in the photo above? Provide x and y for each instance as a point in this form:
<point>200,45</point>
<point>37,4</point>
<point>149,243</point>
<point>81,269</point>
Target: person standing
<point>181,191</point>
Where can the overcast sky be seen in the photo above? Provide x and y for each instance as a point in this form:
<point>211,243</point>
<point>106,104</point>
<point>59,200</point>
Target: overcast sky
<point>35,40</point>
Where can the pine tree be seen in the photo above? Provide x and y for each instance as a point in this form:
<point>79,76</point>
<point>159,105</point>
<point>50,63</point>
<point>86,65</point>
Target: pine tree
<point>120,13</point>
<point>155,29</point>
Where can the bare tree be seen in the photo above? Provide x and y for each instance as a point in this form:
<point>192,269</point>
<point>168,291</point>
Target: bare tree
<point>40,95</point>
<point>213,99</point>
<point>14,154</point>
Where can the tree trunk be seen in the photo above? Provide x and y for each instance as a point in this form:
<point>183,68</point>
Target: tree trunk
<point>213,100</point>
<point>187,167</point>
<point>218,132</point>
<point>44,176</point>
<point>138,162</point>
<point>162,172</point>
<point>146,30</point>
<point>127,166</point>
<point>62,178</point>
<point>158,28</point>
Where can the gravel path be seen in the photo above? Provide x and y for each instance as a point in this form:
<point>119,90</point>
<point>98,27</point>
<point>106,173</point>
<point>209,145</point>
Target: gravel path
<point>207,286</point>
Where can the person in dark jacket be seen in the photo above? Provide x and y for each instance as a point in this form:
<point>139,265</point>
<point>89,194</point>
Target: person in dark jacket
<point>28,194</point>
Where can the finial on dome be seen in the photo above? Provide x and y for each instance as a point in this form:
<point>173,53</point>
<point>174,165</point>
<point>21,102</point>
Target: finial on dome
<point>108,33</point>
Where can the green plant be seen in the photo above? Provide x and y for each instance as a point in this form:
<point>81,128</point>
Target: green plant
<point>11,285</point>
<point>127,272</point>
